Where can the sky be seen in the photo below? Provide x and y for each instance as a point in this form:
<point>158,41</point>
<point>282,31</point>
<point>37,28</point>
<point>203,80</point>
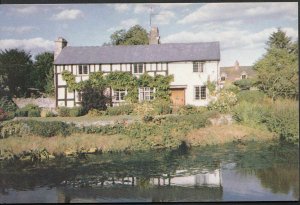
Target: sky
<point>241,28</point>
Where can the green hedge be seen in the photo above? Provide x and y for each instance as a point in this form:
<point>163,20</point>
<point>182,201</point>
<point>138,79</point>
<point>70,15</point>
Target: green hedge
<point>120,110</point>
<point>30,110</point>
<point>70,112</point>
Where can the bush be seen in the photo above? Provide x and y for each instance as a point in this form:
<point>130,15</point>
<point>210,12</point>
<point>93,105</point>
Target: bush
<point>3,115</point>
<point>50,114</point>
<point>70,112</point>
<point>162,107</point>
<point>231,88</point>
<point>14,128</point>
<point>148,118</point>
<point>120,110</point>
<point>7,104</point>
<point>244,84</point>
<point>144,108</point>
<point>225,102</point>
<point>251,96</point>
<point>30,110</point>
<point>96,113</point>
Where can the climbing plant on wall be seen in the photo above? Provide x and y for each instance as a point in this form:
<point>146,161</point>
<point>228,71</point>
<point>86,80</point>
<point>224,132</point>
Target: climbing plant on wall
<point>123,80</point>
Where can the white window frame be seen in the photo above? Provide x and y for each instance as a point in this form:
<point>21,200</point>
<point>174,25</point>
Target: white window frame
<point>198,92</point>
<point>146,93</point>
<point>199,66</point>
<point>137,65</point>
<point>83,67</point>
<point>117,94</point>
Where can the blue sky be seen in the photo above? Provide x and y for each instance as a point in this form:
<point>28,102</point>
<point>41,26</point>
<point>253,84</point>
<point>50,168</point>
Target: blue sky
<point>241,28</point>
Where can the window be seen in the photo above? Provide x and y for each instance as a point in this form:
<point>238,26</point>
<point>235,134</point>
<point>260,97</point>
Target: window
<point>83,69</point>
<point>200,92</point>
<point>223,78</point>
<point>119,95</point>
<point>198,66</point>
<point>79,96</point>
<point>138,68</point>
<point>197,93</point>
<point>244,76</point>
<point>146,93</point>
<point>203,92</point>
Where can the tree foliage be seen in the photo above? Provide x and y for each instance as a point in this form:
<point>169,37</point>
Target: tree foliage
<point>136,35</point>
<point>277,70</point>
<point>15,67</point>
<point>42,74</point>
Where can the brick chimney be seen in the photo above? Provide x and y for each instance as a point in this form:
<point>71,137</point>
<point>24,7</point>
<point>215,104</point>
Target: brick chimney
<point>60,43</point>
<point>236,65</point>
<point>154,36</point>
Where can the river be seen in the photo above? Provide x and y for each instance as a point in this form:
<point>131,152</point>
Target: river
<point>233,172</point>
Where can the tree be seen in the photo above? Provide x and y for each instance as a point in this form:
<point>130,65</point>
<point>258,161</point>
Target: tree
<point>16,66</point>
<point>277,70</point>
<point>279,40</point>
<point>43,74</point>
<point>136,35</point>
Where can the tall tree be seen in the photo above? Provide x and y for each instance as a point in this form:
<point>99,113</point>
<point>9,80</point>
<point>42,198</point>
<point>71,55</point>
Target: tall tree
<point>16,65</point>
<point>279,40</point>
<point>136,35</point>
<point>42,75</point>
<point>277,70</point>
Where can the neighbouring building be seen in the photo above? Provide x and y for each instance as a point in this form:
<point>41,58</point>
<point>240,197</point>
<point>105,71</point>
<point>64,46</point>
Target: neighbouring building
<point>234,73</point>
<point>191,64</point>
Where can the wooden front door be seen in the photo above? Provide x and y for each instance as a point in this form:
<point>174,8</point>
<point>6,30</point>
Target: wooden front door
<point>177,96</point>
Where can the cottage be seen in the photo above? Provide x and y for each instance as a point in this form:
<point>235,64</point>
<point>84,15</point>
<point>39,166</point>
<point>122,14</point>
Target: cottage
<point>191,64</point>
<point>233,73</point>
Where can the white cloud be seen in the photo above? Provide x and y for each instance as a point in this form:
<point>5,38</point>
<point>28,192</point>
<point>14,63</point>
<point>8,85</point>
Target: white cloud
<point>18,30</point>
<point>231,40</point>
<point>125,24</point>
<point>142,8</point>
<point>215,12</point>
<point>121,7</point>
<point>34,45</point>
<point>25,9</point>
<point>68,14</point>
<point>164,17</point>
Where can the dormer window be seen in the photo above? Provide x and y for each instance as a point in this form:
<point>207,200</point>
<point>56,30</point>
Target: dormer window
<point>223,78</point>
<point>198,67</point>
<point>82,69</point>
<point>244,76</point>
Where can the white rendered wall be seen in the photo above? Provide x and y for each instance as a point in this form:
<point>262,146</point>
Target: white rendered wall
<point>184,75</point>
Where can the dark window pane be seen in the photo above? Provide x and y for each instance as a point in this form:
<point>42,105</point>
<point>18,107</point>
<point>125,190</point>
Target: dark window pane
<point>195,66</point>
<point>85,69</point>
<point>80,70</point>
<point>203,92</point>
<point>197,93</point>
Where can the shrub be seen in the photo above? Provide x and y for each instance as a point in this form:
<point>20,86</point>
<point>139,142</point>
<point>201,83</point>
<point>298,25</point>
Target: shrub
<point>144,108</point>
<point>7,104</point>
<point>30,110</point>
<point>162,107</point>
<point>244,84</point>
<point>96,113</point>
<point>3,115</point>
<point>70,112</point>
<point>76,112</point>
<point>231,88</point>
<point>50,114</point>
<point>14,128</point>
<point>148,118</point>
<point>120,110</point>
<point>251,96</point>
<point>225,102</point>
<point>187,109</point>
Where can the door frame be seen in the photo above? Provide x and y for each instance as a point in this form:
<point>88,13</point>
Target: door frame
<point>179,88</point>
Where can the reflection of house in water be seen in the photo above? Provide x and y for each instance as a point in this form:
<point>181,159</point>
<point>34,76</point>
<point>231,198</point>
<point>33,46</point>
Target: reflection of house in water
<point>183,185</point>
<point>197,178</point>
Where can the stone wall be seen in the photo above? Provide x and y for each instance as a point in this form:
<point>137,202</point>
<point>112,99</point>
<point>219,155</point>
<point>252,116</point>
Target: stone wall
<point>41,102</point>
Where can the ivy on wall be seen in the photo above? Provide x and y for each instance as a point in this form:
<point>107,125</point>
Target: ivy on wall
<point>123,80</point>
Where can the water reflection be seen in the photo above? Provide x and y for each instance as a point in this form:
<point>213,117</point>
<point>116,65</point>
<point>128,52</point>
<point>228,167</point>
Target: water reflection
<point>183,185</point>
<point>206,174</point>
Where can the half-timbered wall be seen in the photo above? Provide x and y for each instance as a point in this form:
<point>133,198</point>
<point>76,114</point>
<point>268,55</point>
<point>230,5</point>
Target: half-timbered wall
<point>182,71</point>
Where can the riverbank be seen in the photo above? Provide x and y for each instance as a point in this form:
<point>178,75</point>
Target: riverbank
<point>30,146</point>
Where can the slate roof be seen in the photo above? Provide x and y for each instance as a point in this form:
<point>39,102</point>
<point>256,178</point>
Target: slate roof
<point>233,74</point>
<point>169,52</point>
